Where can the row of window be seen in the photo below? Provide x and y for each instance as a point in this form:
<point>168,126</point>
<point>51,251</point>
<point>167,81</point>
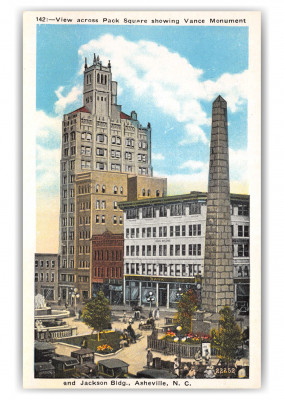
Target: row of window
<point>84,279</point>
<point>108,255</point>
<point>39,277</point>
<point>64,263</point>
<point>85,205</point>
<point>101,219</point>
<point>242,271</point>
<point>65,221</point>
<point>47,263</point>
<point>84,234</point>
<point>164,250</point>
<point>67,277</point>
<point>162,231</point>
<point>163,269</point>
<point>114,272</point>
<point>71,179</point>
<point>64,250</point>
<point>84,264</point>
<point>85,220</point>
<point>84,249</point>
<point>71,235</point>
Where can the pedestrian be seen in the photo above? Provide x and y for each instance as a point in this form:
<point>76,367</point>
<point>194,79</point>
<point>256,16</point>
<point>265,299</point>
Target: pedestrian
<point>176,366</point>
<point>149,358</point>
<point>124,317</point>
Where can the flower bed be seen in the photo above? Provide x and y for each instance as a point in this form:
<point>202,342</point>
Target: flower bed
<point>104,349</point>
<point>109,339</point>
<point>188,338</point>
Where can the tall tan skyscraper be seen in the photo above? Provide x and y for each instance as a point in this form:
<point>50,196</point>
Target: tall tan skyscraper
<point>97,137</point>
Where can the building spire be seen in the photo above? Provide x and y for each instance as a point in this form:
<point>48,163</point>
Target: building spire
<point>94,61</point>
<point>86,66</point>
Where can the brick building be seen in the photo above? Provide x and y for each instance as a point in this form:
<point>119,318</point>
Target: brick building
<point>107,265</point>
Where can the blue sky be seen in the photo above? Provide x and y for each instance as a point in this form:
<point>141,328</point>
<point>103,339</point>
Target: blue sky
<point>168,75</point>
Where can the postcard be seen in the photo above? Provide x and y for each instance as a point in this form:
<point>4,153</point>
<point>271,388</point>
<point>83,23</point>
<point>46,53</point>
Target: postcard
<point>142,200</point>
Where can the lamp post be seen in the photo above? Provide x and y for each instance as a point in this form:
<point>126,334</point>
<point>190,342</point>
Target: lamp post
<point>179,339</point>
<point>178,294</point>
<point>75,295</point>
<point>199,296</point>
<point>150,298</point>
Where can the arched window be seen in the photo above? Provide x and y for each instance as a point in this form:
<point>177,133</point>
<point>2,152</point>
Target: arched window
<point>102,79</point>
<point>143,192</point>
<point>105,79</point>
<point>115,189</point>
<point>157,193</point>
<point>98,78</point>
<point>97,188</point>
<point>121,190</point>
<point>148,192</point>
<point>240,272</point>
<point>103,188</point>
<point>246,271</point>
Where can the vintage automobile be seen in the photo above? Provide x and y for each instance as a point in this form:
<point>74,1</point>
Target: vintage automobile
<point>44,351</point>
<point>112,368</point>
<point>155,374</point>
<point>65,367</point>
<point>44,370</point>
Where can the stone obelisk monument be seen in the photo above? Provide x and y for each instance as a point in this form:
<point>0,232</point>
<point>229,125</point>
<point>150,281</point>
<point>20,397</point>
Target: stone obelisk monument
<point>218,284</point>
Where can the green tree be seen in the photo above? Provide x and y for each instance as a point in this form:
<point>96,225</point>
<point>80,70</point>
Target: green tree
<point>185,310</point>
<point>97,313</point>
<point>228,337</point>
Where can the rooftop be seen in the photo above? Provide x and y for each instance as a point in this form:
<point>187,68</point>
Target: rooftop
<point>192,196</point>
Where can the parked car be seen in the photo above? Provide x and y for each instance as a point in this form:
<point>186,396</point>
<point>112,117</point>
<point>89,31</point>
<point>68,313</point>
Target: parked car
<point>65,367</point>
<point>44,370</point>
<point>112,368</point>
<point>155,374</point>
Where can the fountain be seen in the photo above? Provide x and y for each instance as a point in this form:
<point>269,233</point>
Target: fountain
<point>49,324</point>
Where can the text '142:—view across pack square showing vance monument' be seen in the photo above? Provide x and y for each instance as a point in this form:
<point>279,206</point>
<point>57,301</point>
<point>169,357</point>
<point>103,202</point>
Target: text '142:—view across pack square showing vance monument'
<point>145,256</point>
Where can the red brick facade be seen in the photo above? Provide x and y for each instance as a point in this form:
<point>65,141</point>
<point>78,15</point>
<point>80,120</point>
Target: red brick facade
<point>107,257</point>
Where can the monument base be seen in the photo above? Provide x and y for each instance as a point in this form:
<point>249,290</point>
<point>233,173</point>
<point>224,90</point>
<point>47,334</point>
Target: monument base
<point>204,322</point>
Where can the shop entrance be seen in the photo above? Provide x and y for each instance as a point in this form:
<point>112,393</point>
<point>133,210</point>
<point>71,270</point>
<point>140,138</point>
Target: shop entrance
<point>162,295</point>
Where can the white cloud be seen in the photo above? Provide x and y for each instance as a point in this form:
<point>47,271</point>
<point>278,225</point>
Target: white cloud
<point>194,165</point>
<point>47,127</point>
<point>48,169</point>
<point>198,178</point>
<point>167,80</point>
<point>63,101</point>
<point>194,134</point>
<point>158,156</point>
<point>238,160</point>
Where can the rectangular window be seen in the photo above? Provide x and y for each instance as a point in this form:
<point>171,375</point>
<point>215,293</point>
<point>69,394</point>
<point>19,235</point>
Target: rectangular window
<point>154,250</point>
<point>177,230</point>
<point>183,249</point>
<point>148,232</point>
<point>199,229</point>
<point>199,249</point>
<point>143,250</point>
<point>143,232</point>
<point>171,231</point>
<point>177,250</point>
<point>154,231</point>
<point>183,230</point>
<point>171,250</point>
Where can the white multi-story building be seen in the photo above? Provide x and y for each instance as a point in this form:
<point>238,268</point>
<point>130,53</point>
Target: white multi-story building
<point>164,247</point>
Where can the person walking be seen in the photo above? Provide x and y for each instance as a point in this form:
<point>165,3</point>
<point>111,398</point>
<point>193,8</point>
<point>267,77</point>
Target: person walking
<point>149,358</point>
<point>176,366</point>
